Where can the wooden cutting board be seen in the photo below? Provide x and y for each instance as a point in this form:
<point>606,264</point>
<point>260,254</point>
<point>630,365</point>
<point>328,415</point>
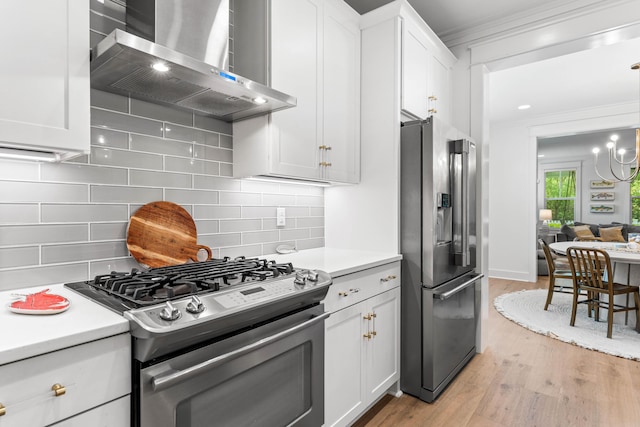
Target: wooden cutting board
<point>163,233</point>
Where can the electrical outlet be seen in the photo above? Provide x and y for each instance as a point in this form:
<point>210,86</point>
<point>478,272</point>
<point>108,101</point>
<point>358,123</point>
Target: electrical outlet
<point>281,220</point>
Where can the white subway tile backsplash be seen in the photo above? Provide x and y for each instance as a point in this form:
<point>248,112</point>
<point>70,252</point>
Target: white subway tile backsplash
<point>213,153</point>
<point>118,121</point>
<point>231,198</point>
<point>16,235</point>
<point>226,169</point>
<point>194,166</point>
<point>159,179</point>
<point>192,197</point>
<point>69,172</point>
<point>131,159</point>
<point>19,213</point>
<point>278,200</point>
<point>207,226</point>
<point>157,145</point>
<point>67,222</point>
<point>83,213</point>
<point>108,230</point>
<point>42,192</point>
<point>294,234</point>
<point>18,170</point>
<point>19,257</point>
<point>42,275</point>
<point>108,194</point>
<point>109,101</point>
<point>189,134</point>
<point>206,182</point>
<point>217,212</point>
<point>260,237</point>
<point>215,125</point>
<point>227,226</point>
<point>161,112</point>
<point>109,138</point>
<point>56,254</point>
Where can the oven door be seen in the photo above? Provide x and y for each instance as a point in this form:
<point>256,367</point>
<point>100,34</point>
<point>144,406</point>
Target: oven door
<point>271,375</point>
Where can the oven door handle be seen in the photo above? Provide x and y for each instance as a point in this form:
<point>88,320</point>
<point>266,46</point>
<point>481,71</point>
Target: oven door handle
<point>165,380</point>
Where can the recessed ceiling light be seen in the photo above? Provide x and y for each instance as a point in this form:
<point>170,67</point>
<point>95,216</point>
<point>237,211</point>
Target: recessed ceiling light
<point>524,107</point>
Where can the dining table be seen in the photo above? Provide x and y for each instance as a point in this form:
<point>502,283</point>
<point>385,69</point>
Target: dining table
<point>625,258</point>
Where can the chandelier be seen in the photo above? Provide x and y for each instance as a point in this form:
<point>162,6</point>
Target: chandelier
<point>616,157</point>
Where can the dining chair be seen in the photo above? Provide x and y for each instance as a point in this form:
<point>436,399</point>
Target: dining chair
<point>558,269</point>
<point>592,272</point>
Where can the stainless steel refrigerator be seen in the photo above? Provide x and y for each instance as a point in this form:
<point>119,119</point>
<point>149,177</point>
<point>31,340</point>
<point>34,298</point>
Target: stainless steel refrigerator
<point>438,244</point>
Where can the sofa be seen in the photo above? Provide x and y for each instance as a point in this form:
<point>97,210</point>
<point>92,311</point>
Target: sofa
<point>612,232</point>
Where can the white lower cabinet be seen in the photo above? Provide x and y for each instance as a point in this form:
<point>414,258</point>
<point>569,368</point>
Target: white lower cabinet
<point>69,383</point>
<point>361,341</point>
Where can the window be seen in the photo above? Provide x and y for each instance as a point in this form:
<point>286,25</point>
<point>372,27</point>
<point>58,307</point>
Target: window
<point>560,194</point>
<point>634,189</point>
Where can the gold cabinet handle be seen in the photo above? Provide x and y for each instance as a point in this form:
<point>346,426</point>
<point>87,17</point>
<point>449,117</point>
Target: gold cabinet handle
<point>58,389</point>
<point>367,336</point>
<point>369,316</point>
<point>374,333</point>
<point>325,147</point>
<point>326,164</point>
<point>389,277</point>
<point>433,110</point>
<point>433,98</point>
<point>343,294</point>
<point>3,410</point>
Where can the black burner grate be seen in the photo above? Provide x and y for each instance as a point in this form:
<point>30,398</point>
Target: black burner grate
<point>165,283</point>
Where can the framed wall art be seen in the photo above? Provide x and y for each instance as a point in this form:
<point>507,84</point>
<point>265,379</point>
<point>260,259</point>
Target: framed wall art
<point>602,195</point>
<point>602,184</point>
<point>602,208</point>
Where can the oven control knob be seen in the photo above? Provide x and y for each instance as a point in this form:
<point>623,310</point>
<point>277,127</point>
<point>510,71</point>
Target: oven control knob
<point>301,279</point>
<point>195,305</point>
<point>312,276</point>
<point>169,312</point>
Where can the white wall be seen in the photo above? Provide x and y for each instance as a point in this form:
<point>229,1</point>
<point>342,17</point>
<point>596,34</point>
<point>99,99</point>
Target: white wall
<point>512,160</point>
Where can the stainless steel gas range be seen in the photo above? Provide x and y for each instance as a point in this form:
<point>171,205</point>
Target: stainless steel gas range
<point>222,342</point>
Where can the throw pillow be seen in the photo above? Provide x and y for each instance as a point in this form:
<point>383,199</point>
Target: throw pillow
<point>592,227</point>
<point>611,234</point>
<point>583,232</point>
<point>568,230</point>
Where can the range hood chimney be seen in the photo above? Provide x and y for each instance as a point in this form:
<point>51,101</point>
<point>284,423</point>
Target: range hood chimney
<point>175,53</point>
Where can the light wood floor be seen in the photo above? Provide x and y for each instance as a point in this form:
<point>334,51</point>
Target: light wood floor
<point>525,379</point>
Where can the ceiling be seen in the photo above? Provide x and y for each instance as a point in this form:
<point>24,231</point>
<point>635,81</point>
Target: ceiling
<point>581,80</point>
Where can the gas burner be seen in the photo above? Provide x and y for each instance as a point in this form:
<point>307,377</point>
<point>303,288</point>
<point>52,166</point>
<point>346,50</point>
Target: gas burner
<point>147,287</point>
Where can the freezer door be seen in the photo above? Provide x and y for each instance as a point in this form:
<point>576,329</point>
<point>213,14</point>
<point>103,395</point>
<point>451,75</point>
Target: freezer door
<point>449,333</point>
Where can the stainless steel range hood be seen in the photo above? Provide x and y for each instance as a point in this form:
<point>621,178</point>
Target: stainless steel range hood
<point>124,62</point>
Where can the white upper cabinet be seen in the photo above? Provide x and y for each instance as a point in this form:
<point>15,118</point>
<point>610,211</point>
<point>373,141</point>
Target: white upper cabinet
<point>45,78</point>
<point>415,70</point>
<point>314,56</point>
<point>426,69</point>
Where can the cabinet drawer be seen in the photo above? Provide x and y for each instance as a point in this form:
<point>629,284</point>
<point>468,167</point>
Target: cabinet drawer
<point>91,374</point>
<point>353,288</point>
<point>112,414</point>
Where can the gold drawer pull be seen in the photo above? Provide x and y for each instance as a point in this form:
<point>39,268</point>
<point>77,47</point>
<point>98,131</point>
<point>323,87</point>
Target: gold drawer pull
<point>3,410</point>
<point>343,294</point>
<point>433,98</point>
<point>367,336</point>
<point>58,389</point>
<point>389,277</point>
<point>369,316</point>
<point>433,110</point>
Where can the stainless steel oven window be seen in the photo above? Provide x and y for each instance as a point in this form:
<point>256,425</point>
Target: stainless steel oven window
<point>268,376</point>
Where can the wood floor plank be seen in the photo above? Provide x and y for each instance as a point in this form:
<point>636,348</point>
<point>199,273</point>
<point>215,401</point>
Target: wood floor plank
<point>525,379</point>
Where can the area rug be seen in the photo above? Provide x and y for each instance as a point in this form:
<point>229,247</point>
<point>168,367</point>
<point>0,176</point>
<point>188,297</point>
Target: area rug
<point>526,308</point>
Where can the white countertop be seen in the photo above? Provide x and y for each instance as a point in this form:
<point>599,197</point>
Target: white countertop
<point>24,335</point>
<point>336,262</point>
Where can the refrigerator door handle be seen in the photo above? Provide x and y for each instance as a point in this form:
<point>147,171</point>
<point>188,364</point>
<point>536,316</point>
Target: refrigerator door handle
<point>460,183</point>
<point>448,294</point>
